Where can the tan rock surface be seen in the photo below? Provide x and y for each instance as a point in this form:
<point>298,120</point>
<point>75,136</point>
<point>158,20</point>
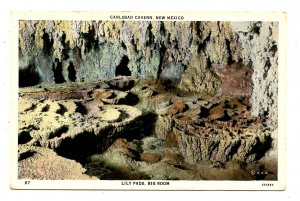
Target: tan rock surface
<point>44,164</point>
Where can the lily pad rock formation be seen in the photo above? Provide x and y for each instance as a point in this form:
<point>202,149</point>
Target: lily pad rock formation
<point>73,128</point>
<point>218,132</point>
<point>208,91</point>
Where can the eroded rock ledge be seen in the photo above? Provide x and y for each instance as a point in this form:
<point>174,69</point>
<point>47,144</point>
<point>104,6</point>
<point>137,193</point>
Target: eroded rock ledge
<point>73,124</point>
<point>130,134</point>
<point>216,130</point>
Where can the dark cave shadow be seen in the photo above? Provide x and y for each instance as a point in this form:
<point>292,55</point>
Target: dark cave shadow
<point>80,147</point>
<point>29,77</point>
<point>147,127</point>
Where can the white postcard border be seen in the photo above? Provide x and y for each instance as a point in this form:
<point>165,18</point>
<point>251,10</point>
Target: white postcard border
<point>280,184</point>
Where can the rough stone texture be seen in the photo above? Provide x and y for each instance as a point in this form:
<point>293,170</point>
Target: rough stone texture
<point>63,125</point>
<point>222,131</point>
<point>93,50</point>
<point>110,96</point>
<point>45,164</point>
<point>180,53</point>
<point>260,47</point>
<point>245,147</point>
<point>208,138</point>
<point>122,161</point>
<point>152,94</point>
<point>175,69</point>
<point>236,80</point>
<point>212,42</point>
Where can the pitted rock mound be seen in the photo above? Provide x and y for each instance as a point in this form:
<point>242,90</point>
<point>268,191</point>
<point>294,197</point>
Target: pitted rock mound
<point>111,96</point>
<point>196,144</point>
<point>75,129</point>
<point>221,131</point>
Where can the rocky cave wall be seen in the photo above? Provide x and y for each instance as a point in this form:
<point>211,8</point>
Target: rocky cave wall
<point>260,47</point>
<point>179,53</point>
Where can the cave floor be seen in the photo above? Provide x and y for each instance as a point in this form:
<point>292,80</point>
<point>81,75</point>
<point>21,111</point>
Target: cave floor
<point>125,128</point>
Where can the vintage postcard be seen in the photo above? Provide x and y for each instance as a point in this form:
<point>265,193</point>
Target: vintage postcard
<point>148,100</point>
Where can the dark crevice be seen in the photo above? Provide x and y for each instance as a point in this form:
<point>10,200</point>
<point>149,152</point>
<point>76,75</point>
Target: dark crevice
<point>33,107</point>
<point>184,68</point>
<point>260,148</point>
<point>162,51</point>
<point>266,68</point>
<point>219,27</point>
<point>162,29</point>
<point>233,150</point>
<point>48,43</point>
<point>71,72</point>
<point>175,42</point>
<point>31,127</point>
<point>62,109</point>
<point>79,147</point>
<point>209,63</point>
<point>57,70</point>
<point>58,132</point>
<point>190,41</point>
<point>131,99</point>
<point>197,28</point>
<point>66,47</point>
<point>133,45</point>
<point>26,154</point>
<point>29,76</point>
<point>85,144</point>
<point>204,112</point>
<point>273,50</point>
<point>24,137</point>
<point>151,37</point>
<point>80,108</point>
<point>265,114</point>
<point>123,45</point>
<point>123,115</point>
<point>256,28</point>
<point>202,46</point>
<point>45,108</point>
<point>229,60</point>
<point>91,42</point>
<point>227,105</point>
<point>169,37</point>
<point>149,120</point>
<point>122,68</point>
<point>146,127</point>
<point>264,147</point>
<point>226,117</point>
